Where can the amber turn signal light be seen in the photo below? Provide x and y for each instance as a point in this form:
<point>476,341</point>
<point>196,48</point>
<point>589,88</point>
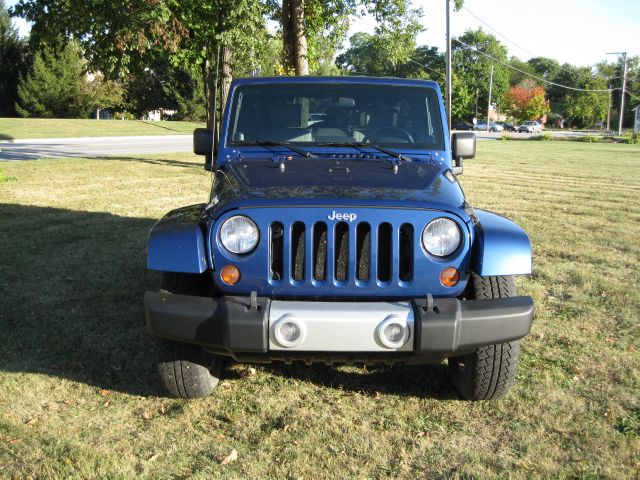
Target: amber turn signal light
<point>449,277</point>
<point>230,274</point>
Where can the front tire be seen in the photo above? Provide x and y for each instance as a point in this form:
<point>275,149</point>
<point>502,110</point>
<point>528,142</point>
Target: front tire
<point>489,372</point>
<point>186,370</point>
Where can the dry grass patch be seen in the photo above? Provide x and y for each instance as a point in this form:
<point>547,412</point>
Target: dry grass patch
<point>79,395</point>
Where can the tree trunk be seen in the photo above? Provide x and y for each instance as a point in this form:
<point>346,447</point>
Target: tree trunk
<point>294,38</point>
<point>227,75</point>
<point>287,39</point>
<point>301,60</point>
<point>210,77</point>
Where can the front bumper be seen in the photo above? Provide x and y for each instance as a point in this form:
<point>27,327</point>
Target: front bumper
<point>240,328</point>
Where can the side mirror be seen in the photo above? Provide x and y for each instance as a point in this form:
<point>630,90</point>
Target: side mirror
<point>463,146</point>
<point>202,141</point>
<point>203,145</point>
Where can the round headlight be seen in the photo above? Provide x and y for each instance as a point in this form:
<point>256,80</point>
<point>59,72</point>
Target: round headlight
<point>239,234</point>
<point>441,237</point>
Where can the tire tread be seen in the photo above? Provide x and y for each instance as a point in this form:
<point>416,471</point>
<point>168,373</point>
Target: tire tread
<point>187,371</point>
<point>490,371</point>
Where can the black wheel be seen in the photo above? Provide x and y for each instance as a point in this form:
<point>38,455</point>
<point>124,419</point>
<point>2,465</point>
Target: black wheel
<point>490,371</point>
<point>187,371</point>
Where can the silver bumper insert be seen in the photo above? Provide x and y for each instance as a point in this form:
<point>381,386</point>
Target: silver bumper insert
<point>341,326</point>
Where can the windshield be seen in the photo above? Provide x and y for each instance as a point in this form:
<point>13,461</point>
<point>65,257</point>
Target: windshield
<point>316,113</point>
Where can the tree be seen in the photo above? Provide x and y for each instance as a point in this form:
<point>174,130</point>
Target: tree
<point>56,86</point>
<point>13,60</point>
<point>102,93</point>
<point>120,36</point>
<point>516,76</point>
<point>544,67</point>
<point>396,31</point>
<point>580,108</point>
<point>471,63</point>
<point>526,101</point>
<point>363,57</point>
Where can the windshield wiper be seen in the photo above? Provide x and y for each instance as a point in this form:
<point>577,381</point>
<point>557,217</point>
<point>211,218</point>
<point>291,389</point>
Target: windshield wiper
<point>391,153</point>
<point>267,143</point>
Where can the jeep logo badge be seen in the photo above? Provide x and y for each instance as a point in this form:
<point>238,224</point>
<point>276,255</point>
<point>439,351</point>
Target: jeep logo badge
<point>342,216</point>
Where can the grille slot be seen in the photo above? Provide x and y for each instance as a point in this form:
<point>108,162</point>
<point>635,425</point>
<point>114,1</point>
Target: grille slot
<point>297,251</point>
<point>320,251</point>
<point>341,251</point>
<point>276,250</point>
<point>363,251</point>
<point>406,252</point>
<point>385,256</point>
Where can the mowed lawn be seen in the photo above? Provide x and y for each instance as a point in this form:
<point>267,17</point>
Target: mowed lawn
<point>79,396</point>
<point>20,128</point>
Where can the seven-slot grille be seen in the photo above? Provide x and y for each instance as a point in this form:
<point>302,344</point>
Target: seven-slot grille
<point>341,253</point>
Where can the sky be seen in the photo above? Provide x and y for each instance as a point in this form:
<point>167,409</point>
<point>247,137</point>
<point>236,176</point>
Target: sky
<point>580,32</point>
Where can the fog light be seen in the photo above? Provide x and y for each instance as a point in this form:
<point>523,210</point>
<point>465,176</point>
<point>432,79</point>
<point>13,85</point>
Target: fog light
<point>230,274</point>
<point>288,331</point>
<point>393,332</point>
<point>449,277</point>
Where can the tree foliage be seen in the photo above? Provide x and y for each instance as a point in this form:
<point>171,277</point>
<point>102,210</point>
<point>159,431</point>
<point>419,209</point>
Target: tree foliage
<point>581,109</point>
<point>472,67</point>
<point>13,52</point>
<point>56,86</point>
<point>526,101</point>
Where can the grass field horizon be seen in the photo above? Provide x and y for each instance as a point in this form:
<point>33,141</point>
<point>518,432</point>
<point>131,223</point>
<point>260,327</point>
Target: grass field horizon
<point>34,128</point>
<point>80,398</point>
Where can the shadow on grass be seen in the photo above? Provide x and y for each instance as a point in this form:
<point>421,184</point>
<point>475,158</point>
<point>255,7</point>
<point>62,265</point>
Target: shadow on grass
<point>4,136</point>
<point>424,381</point>
<point>156,161</point>
<point>72,285</point>
<point>155,124</point>
<point>71,306</point>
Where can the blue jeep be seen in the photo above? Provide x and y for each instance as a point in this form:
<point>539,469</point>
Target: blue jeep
<point>337,232</point>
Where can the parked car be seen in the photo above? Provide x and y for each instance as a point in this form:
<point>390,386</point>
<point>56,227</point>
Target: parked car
<point>462,126</point>
<point>531,126</point>
<point>349,240</point>
<point>493,127</point>
<point>508,127</point>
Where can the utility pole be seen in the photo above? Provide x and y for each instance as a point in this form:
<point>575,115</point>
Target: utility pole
<point>609,112</point>
<point>448,79</point>
<point>489,105</point>
<point>624,86</point>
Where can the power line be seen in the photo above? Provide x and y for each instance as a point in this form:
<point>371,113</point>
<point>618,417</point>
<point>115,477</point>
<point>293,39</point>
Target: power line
<point>424,66</point>
<point>631,95</point>
<point>503,36</point>
<point>534,76</point>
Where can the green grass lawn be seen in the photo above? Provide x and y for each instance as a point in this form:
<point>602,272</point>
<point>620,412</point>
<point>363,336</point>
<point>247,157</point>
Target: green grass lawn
<point>79,396</point>
<point>17,128</point>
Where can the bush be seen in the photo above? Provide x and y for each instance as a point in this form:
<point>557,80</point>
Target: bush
<point>589,139</point>
<point>545,137</point>
<point>631,138</point>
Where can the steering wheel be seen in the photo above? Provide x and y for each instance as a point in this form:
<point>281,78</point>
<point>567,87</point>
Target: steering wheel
<point>390,132</point>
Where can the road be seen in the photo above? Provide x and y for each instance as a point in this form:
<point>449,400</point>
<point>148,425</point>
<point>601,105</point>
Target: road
<point>92,146</point>
<point>483,135</point>
<point>113,146</point>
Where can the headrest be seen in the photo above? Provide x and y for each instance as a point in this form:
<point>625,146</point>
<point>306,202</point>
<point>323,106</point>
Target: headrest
<point>286,115</point>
